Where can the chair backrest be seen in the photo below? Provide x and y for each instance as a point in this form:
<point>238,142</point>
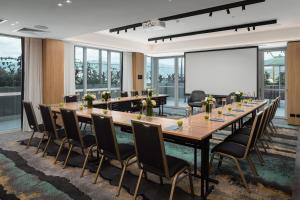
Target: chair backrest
<point>276,104</point>
<point>106,136</point>
<point>48,121</point>
<point>150,149</point>
<point>124,94</point>
<point>71,98</point>
<point>30,114</point>
<point>144,92</point>
<point>264,122</point>
<point>197,95</point>
<point>71,127</point>
<point>254,131</point>
<point>134,93</point>
<point>229,98</point>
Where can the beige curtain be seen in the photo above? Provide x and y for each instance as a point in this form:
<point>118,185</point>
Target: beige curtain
<point>32,76</point>
<point>127,72</point>
<point>69,73</point>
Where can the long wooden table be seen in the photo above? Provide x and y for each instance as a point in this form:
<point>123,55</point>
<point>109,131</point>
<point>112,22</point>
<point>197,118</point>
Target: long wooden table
<point>196,131</point>
<point>161,100</point>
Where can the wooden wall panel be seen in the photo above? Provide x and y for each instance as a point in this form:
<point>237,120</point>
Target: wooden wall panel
<point>138,69</point>
<point>53,71</point>
<point>293,66</point>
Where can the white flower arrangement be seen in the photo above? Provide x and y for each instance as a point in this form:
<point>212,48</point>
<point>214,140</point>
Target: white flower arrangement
<point>89,97</point>
<point>148,102</point>
<point>209,100</point>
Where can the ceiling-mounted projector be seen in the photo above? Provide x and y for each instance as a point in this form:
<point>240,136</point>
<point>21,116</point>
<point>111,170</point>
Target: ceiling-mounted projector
<point>154,25</point>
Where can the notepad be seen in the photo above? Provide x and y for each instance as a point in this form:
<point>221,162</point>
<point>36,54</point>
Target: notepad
<point>238,110</point>
<point>172,128</point>
<point>229,114</point>
<point>217,120</point>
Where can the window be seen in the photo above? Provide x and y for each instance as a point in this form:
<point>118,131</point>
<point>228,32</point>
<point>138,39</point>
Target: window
<point>98,70</point>
<point>79,67</point>
<point>148,72</point>
<point>274,77</point>
<point>10,83</point>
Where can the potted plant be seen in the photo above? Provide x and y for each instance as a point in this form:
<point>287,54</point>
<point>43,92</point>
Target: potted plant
<point>105,95</point>
<point>238,96</point>
<point>208,103</point>
<point>89,98</point>
<point>148,105</point>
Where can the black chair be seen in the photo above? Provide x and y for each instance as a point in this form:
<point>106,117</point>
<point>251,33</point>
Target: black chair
<point>241,136</point>
<point>74,137</point>
<point>238,152</point>
<point>144,92</point>
<point>124,94</point>
<point>151,156</point>
<point>71,98</point>
<point>196,99</point>
<point>50,129</point>
<point>134,93</point>
<point>32,122</point>
<point>108,147</point>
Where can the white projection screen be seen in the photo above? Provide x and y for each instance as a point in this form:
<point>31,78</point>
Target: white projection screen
<point>220,72</point>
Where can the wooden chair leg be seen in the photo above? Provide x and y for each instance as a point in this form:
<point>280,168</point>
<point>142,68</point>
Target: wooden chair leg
<point>67,158</point>
<point>138,184</point>
<point>85,161</point>
<point>98,169</point>
<point>241,174</point>
<point>258,153</point>
<point>38,147</point>
<point>252,166</point>
<point>122,176</point>
<point>59,150</point>
<point>30,139</point>
<point>46,147</point>
<point>173,186</point>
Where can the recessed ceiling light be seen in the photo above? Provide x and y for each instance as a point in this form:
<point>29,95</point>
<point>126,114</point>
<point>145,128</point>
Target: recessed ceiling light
<point>60,5</point>
<point>68,1</point>
<point>12,24</point>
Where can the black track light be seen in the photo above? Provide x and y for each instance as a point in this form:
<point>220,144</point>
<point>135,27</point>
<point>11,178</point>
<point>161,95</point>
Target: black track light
<point>125,30</point>
<point>244,7</point>
<point>118,32</point>
<point>163,39</point>
<point>228,11</point>
<point>134,28</point>
<point>248,28</point>
<point>155,41</point>
<point>170,39</point>
<point>253,28</point>
<point>236,30</point>
<point>210,14</point>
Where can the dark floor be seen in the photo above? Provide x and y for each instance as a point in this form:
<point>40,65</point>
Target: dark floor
<point>296,189</point>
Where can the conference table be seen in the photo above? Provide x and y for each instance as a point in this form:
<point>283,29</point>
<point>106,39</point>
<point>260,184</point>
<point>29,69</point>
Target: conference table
<point>195,132</point>
<point>160,99</point>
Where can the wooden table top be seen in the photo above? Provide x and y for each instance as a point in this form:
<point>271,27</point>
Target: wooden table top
<point>195,127</point>
<point>124,99</point>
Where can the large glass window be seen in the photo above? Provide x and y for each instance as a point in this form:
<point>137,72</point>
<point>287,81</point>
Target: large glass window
<point>274,77</point>
<point>148,72</point>
<point>79,67</point>
<point>98,70</point>
<point>10,83</point>
<point>116,73</point>
<point>181,82</point>
<point>166,78</point>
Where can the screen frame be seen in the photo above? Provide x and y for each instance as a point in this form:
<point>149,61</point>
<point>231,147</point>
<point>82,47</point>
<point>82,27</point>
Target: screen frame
<point>226,49</point>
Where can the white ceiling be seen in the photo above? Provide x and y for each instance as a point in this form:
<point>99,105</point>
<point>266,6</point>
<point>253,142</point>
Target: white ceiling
<point>87,21</point>
<point>86,16</point>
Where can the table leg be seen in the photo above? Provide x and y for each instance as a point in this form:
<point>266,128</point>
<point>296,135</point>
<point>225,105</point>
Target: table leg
<point>195,161</point>
<point>205,169</point>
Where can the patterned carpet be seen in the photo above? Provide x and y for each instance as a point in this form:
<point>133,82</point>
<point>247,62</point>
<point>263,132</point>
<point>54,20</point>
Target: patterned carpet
<point>25,175</point>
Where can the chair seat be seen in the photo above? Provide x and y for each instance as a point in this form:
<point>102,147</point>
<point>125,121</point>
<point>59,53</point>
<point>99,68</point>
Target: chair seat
<point>238,138</point>
<point>175,165</point>
<point>196,104</point>
<point>88,140</point>
<point>230,148</point>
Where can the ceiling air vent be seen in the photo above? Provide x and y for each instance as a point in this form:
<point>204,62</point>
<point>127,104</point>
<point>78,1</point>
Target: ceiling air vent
<point>31,31</point>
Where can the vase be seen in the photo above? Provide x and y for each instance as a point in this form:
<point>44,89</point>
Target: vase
<point>90,103</point>
<point>238,99</point>
<point>208,108</point>
<point>149,111</point>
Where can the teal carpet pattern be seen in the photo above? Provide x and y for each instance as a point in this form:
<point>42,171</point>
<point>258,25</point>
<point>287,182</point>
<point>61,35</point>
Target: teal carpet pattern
<point>20,181</point>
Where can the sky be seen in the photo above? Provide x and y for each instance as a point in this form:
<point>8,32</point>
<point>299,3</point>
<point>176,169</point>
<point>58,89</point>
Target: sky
<point>10,46</point>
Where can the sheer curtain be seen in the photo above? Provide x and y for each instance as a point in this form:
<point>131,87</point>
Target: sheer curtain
<point>32,76</point>
<point>69,73</point>
<point>127,71</point>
